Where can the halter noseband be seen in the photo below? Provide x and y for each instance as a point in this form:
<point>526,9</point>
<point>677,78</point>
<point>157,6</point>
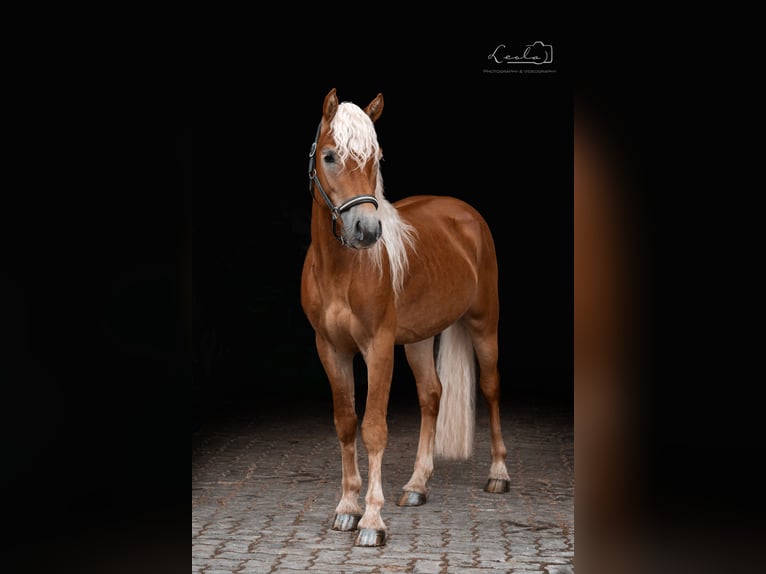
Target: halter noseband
<point>346,205</point>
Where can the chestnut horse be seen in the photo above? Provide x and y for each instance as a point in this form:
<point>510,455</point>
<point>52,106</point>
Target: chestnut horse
<point>410,273</point>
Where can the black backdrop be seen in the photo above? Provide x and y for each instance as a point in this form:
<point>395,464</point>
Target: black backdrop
<point>155,230</point>
<point>117,172</point>
<point>501,141</point>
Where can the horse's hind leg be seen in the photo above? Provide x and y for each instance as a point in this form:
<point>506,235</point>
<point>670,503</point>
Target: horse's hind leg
<point>339,369</point>
<point>420,356</point>
<point>485,345</point>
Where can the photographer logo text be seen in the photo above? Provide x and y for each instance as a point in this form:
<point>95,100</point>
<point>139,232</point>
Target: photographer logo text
<point>536,53</point>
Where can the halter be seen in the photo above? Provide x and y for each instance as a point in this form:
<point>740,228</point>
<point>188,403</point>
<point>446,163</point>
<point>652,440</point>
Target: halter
<point>346,205</point>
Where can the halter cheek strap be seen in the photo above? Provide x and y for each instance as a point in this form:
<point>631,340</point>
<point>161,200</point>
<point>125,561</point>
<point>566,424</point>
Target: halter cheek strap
<point>314,182</point>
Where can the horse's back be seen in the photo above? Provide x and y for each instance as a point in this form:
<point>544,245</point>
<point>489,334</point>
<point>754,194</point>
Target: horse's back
<point>441,206</point>
<point>439,219</point>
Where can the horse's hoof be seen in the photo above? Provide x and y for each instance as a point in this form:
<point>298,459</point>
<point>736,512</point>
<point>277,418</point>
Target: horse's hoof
<point>497,485</point>
<point>410,498</point>
<point>370,537</point>
<point>346,522</point>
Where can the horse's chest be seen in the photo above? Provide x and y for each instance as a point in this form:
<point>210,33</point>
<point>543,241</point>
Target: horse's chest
<point>336,320</point>
<point>343,310</point>
<point>344,323</point>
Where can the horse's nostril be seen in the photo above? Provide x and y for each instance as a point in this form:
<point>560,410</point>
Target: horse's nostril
<point>380,230</point>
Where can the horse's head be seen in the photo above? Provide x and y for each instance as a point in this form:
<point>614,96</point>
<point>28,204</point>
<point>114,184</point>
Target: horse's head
<point>344,169</point>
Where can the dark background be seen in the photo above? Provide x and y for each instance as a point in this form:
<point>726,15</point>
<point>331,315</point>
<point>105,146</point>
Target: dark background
<point>154,229</point>
<point>109,150</point>
<point>502,142</point>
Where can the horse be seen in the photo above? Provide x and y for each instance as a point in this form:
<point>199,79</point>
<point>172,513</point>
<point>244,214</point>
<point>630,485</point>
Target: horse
<point>422,273</point>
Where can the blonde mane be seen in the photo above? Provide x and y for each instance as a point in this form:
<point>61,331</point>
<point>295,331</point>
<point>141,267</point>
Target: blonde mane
<point>355,137</point>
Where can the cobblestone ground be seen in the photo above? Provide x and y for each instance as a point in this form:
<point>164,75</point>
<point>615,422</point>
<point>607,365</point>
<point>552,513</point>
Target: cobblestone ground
<point>265,486</point>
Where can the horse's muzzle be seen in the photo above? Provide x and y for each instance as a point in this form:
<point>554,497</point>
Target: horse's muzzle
<point>363,231</point>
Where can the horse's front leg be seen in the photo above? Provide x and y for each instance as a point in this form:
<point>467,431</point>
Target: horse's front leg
<point>339,368</point>
<point>379,357</point>
<point>421,359</point>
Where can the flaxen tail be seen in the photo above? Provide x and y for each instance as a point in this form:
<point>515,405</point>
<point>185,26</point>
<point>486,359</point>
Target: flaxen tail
<point>456,367</point>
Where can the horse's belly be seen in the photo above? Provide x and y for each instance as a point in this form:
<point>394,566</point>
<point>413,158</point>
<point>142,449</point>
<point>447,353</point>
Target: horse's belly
<point>432,310</point>
<point>444,280</point>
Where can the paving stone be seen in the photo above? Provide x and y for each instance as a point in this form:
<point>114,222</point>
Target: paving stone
<point>265,486</point>
<point>426,567</point>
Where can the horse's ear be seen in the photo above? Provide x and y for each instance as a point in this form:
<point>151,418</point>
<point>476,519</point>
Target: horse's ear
<point>330,105</point>
<point>375,107</point>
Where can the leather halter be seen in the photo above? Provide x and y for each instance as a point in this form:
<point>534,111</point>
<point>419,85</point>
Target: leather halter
<point>346,205</point>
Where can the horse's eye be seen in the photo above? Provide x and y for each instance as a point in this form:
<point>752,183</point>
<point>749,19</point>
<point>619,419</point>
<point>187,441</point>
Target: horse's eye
<point>329,157</point>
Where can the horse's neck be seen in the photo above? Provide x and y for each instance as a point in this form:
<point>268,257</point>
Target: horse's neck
<point>338,263</point>
<point>327,248</point>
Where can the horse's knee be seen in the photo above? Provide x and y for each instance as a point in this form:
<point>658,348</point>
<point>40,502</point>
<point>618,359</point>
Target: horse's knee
<point>345,427</point>
<point>374,433</point>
